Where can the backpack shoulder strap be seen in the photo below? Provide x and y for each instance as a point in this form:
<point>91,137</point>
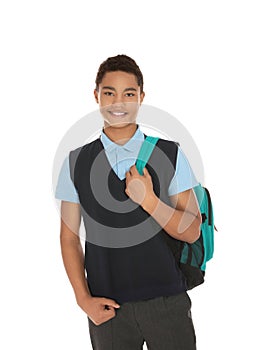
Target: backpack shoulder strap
<point>145,152</point>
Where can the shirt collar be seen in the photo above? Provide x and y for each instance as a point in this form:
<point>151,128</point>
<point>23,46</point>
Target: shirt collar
<point>130,145</point>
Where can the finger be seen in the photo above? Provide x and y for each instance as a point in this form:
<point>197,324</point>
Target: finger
<point>133,170</point>
<point>110,302</point>
<point>145,172</point>
<point>127,192</point>
<point>108,308</point>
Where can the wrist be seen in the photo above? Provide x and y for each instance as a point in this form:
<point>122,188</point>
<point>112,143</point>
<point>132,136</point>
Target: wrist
<point>150,203</point>
<point>83,297</point>
<point>84,302</point>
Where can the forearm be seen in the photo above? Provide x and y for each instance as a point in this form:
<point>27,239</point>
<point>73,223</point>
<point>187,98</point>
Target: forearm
<point>73,259</point>
<point>181,225</point>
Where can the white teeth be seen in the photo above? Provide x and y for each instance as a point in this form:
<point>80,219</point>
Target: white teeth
<point>118,113</point>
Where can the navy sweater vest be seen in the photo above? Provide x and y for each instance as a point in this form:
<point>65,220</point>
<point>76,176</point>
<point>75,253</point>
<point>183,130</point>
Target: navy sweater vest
<point>127,257</point>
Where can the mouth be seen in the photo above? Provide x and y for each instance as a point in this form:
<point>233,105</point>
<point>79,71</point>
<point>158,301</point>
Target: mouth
<point>117,114</point>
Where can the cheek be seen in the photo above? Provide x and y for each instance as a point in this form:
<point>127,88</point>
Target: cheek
<point>101,99</point>
<point>132,107</point>
<point>105,101</point>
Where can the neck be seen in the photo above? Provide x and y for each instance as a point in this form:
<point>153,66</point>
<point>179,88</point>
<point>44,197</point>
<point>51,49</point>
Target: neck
<point>122,134</point>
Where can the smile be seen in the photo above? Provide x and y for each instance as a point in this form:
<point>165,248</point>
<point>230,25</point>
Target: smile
<point>118,114</point>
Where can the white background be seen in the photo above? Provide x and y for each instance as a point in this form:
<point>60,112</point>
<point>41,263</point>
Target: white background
<point>199,60</point>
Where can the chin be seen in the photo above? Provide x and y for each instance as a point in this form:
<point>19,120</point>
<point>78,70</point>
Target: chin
<point>119,123</point>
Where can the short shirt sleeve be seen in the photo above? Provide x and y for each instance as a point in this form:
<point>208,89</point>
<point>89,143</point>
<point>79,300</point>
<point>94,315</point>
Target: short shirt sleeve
<point>184,178</point>
<point>65,189</point>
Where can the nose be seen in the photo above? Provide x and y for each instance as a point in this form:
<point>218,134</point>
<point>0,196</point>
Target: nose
<point>118,99</point>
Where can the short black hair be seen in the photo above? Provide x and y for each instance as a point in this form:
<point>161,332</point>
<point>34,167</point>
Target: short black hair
<point>119,63</point>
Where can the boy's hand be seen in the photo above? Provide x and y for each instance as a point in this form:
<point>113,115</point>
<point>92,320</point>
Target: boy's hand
<point>99,310</point>
<point>139,187</point>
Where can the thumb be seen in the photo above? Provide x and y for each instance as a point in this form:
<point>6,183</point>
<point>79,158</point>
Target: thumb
<point>110,302</point>
<point>145,172</point>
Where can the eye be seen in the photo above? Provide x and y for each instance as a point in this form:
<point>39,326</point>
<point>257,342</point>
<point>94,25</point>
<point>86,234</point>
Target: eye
<point>130,94</point>
<point>109,93</point>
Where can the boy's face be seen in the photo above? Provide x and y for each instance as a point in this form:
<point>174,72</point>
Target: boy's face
<point>119,98</point>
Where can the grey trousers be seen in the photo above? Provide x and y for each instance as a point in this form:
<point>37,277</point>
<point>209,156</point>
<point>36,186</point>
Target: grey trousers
<point>164,323</point>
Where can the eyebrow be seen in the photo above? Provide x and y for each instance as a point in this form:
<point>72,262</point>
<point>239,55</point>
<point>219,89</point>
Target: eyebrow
<point>113,89</point>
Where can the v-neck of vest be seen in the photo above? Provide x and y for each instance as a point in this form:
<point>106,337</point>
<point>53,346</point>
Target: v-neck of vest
<point>109,165</point>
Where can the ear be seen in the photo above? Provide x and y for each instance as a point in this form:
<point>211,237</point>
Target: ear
<point>142,97</point>
<point>96,95</point>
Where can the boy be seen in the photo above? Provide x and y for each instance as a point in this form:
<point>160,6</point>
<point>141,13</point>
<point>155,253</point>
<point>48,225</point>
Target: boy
<point>134,291</point>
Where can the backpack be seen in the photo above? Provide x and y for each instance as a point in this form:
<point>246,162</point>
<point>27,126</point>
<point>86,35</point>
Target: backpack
<point>191,257</point>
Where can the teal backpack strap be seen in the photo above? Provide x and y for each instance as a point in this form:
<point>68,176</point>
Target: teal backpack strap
<point>207,227</point>
<point>145,152</point>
